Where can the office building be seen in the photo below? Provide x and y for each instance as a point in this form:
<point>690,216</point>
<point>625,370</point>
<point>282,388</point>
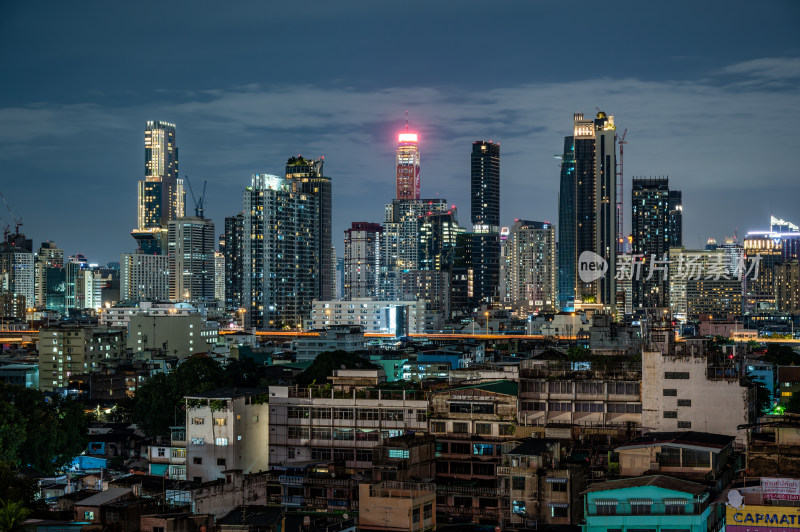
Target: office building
<point>438,232</point>
<point>179,334</point>
<point>219,276</point>
<point>373,316</point>
<point>764,250</point>
<point>312,181</point>
<point>231,245</point>
<point>144,277</point>
<point>161,193</point>
<point>282,265</point>
<point>362,254</point>
<point>587,208</point>
<point>530,272</point>
<point>407,183</point>
<point>650,223</point>
<point>190,250</point>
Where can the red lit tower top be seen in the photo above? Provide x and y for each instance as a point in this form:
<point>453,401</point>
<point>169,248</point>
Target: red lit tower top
<point>407,164</point>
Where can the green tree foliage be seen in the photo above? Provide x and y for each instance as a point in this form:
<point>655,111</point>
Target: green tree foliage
<point>12,514</point>
<point>793,405</point>
<point>15,487</point>
<point>158,403</point>
<point>54,429</point>
<point>781,355</point>
<point>325,363</point>
<point>762,398</point>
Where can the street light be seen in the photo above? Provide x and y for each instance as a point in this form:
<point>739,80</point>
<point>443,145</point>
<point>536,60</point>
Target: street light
<point>487,322</point>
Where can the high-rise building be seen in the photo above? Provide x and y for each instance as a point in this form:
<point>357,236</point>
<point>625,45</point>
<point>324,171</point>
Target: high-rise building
<point>309,174</point>
<point>593,206</point>
<point>485,184</point>
<point>407,184</point>
<point>787,287</point>
<point>231,244</point>
<point>401,231</point>
<point>161,193</point>
<point>437,239</point>
<point>191,259</point>
<point>567,260</point>
<point>144,277</point>
<point>485,215</point>
<point>531,267</point>
<point>362,253</point>
<point>17,267</point>
<point>48,256</point>
<point>281,251</point>
<point>650,217</point>
<point>764,251</point>
<point>219,276</point>
<point>675,218</point>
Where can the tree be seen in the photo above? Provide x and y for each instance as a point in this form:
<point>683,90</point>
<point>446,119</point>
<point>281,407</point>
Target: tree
<point>15,487</point>
<point>12,514</point>
<point>12,433</point>
<point>325,363</point>
<point>793,405</point>
<point>781,355</point>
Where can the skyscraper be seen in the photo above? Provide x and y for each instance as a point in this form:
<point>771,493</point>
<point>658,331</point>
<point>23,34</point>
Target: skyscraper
<point>48,256</point>
<point>362,251</point>
<point>593,205</point>
<point>282,256</point>
<point>566,227</point>
<point>675,218</point>
<point>485,184</point>
<point>17,267</point>
<point>485,215</point>
<point>231,244</point>
<point>650,223</point>
<point>191,259</point>
<point>308,176</point>
<point>407,184</point>
<point>161,193</point>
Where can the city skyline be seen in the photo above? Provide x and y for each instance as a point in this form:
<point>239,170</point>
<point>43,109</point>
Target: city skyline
<point>718,124</point>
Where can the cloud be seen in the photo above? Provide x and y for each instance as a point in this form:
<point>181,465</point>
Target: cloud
<point>709,136</point>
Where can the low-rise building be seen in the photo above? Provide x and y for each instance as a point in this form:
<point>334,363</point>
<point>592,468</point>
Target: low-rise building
<point>169,460</point>
<point>226,429</point>
<point>176,334</point>
<point>405,458</point>
<point>373,316</point>
<point>658,503</point>
<point>401,506</point>
<point>347,338</point>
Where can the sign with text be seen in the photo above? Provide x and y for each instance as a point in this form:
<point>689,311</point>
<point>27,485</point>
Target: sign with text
<point>781,489</point>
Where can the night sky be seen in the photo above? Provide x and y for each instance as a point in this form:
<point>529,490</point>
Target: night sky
<point>709,93</point>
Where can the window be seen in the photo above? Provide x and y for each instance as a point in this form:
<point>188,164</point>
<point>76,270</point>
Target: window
<point>670,392</point>
<point>684,424</point>
<point>559,511</point>
<point>162,451</point>
<point>321,434</point>
<point>297,412</point>
<point>482,449</point>
<point>558,486</point>
<point>398,453</point>
<point>221,461</point>
<point>321,413</point>
<point>220,421</point>
<point>670,414</point>
<point>676,374</point>
<point>197,460</point>
<point>505,429</point>
<point>301,433</point>
<point>343,434</point>
<point>342,455</point>
<point>696,458</point>
<point>486,470</point>
<point>459,448</point>
<point>221,441</point>
<point>415,513</point>
<point>641,506</point>
<point>518,507</point>
<point>517,483</point>
<point>684,402</point>
<point>559,387</point>
<point>623,388</point>
<point>675,506</point>
<point>363,455</point>
<point>483,428</point>
<point>198,441</point>
<point>342,413</point>
<point>427,511</point>
<point>669,457</point>
<point>438,426</point>
<point>179,453</point>
<point>255,419</point>
<point>589,407</point>
<point>559,407</point>
<point>197,421</point>
<point>593,388</point>
<point>88,515</point>
<point>320,454</point>
<point>460,428</point>
<point>606,506</point>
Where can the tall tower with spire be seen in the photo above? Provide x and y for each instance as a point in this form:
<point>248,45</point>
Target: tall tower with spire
<point>407,165</point>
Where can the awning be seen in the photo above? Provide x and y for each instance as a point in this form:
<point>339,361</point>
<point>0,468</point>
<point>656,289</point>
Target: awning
<point>641,501</point>
<point>557,480</point>
<point>606,502</point>
<point>675,502</point>
<point>558,504</point>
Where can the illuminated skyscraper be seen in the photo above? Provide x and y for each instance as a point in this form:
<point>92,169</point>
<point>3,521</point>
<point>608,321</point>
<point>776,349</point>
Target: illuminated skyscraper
<point>191,259</point>
<point>531,270</point>
<point>650,225</point>
<point>590,193</point>
<point>566,227</point>
<point>362,251</point>
<point>161,193</point>
<point>407,166</point>
<point>485,214</point>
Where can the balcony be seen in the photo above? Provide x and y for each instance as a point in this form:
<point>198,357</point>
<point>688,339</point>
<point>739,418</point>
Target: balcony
<point>503,471</point>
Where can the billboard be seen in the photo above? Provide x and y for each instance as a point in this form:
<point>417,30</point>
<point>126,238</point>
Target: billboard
<point>781,489</point>
<point>753,518</point>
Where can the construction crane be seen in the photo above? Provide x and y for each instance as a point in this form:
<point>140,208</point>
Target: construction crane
<point>198,203</point>
<point>620,191</point>
<point>17,220</point>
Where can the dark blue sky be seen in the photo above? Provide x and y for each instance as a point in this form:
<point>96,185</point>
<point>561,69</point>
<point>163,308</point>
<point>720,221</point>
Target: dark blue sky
<point>707,90</point>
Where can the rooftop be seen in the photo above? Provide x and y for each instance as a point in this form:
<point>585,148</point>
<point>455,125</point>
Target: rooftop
<point>252,515</point>
<point>504,387</point>
<point>228,393</point>
<point>533,446</point>
<point>696,439</point>
<point>659,481</point>
<point>104,497</point>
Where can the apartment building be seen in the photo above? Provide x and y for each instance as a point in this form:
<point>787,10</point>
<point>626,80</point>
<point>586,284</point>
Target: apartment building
<point>226,429</point>
<point>169,461</point>
<point>68,349</point>
<point>324,424</point>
